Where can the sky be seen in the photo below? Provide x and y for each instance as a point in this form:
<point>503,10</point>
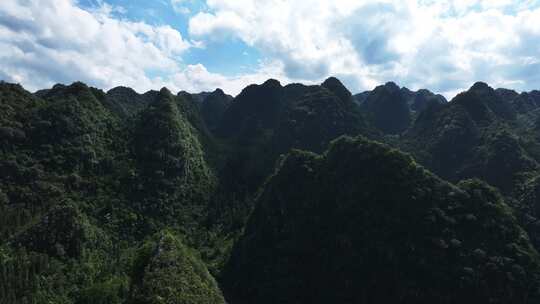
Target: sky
<point>198,45</point>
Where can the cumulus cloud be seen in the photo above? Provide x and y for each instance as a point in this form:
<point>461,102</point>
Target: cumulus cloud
<point>45,42</point>
<point>438,44</point>
<point>443,45</point>
<point>196,78</point>
<point>42,42</point>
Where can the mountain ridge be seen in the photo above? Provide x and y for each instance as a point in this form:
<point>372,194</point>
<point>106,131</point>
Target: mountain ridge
<point>95,184</point>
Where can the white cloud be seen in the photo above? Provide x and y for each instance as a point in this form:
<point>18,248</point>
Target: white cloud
<point>437,44</point>
<point>220,24</point>
<point>43,42</point>
<point>180,7</point>
<point>442,45</point>
<point>196,78</point>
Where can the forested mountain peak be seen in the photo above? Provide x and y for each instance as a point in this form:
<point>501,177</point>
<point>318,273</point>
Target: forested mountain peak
<point>166,267</point>
<point>418,243</point>
<point>388,109</point>
<point>123,92</point>
<point>480,86</point>
<point>218,92</point>
<point>482,102</point>
<point>391,86</point>
<point>272,83</point>
<point>333,84</point>
<point>123,197</point>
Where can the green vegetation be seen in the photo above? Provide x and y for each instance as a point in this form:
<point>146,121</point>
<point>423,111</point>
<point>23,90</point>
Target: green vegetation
<point>266,121</point>
<point>165,271</point>
<point>125,198</point>
<point>326,231</point>
<point>171,178</point>
<point>84,181</point>
<point>388,109</point>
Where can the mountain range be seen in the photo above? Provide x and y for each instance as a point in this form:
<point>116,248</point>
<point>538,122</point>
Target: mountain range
<point>281,194</point>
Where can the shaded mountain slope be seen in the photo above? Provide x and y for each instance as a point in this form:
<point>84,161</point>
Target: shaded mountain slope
<point>126,102</point>
<point>487,134</point>
<point>265,121</point>
<point>477,134</point>
<point>96,189</point>
<point>260,110</point>
<point>213,107</point>
<point>327,230</point>
<point>388,109</point>
<point>392,109</point>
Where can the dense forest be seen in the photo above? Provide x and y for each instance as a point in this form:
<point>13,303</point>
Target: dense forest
<point>282,194</point>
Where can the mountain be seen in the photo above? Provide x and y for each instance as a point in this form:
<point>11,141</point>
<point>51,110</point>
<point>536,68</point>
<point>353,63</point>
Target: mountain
<point>121,197</point>
<point>126,102</point>
<point>388,109</point>
<point>261,109</point>
<point>212,105</point>
<point>335,86</point>
<point>419,100</point>
<point>327,229</point>
<point>165,271</point>
<point>521,103</point>
<point>265,121</point>
<point>474,135</point>
<point>85,179</point>
<point>391,109</point>
<point>483,133</point>
<point>171,171</point>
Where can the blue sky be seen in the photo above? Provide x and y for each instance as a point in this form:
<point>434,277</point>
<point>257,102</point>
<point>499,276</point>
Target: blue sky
<point>229,58</point>
<point>197,45</point>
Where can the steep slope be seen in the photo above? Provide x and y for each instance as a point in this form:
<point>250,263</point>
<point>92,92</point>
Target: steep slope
<point>260,110</point>
<point>172,179</point>
<point>327,229</point>
<point>393,109</point>
<point>15,104</point>
<point>205,111</point>
<point>487,134</point>
<point>521,103</point>
<point>484,104</point>
<point>475,135</point>
<point>60,232</point>
<point>73,127</point>
<point>83,183</point>
<point>213,106</point>
<point>335,86</point>
<point>126,102</point>
<point>166,271</point>
<point>51,248</point>
<point>64,136</point>
<point>255,109</point>
<point>265,121</point>
<point>388,109</point>
<point>97,188</point>
<point>442,137</point>
<point>316,118</point>
<point>361,97</point>
<point>420,100</point>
